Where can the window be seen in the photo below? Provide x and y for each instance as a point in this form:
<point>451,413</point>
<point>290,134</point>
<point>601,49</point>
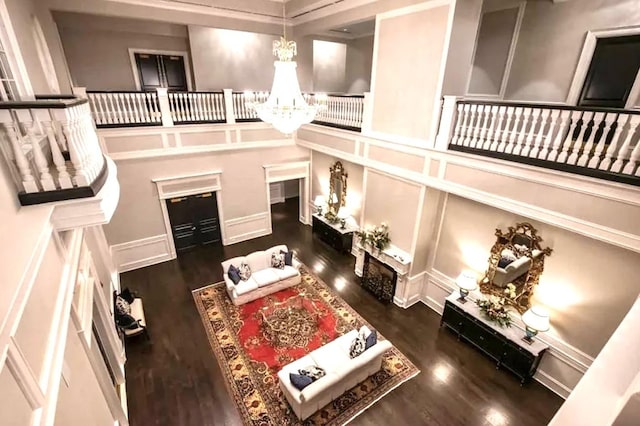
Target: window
<point>8,86</point>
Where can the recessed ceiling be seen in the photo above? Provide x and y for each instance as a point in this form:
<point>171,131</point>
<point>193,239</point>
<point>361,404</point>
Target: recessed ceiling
<point>355,30</point>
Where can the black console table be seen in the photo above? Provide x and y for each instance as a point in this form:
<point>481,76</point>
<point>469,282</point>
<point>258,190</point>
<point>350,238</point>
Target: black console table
<point>339,239</point>
<point>503,345</point>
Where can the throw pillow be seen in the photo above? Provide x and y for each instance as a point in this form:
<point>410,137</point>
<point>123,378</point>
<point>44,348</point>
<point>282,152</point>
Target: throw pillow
<point>126,321</point>
<point>234,274</point>
<point>122,306</point>
<point>312,371</point>
<point>288,257</point>
<point>245,272</point>
<point>357,346</point>
<point>371,339</point>
<point>300,381</point>
<point>277,260</point>
<point>504,261</point>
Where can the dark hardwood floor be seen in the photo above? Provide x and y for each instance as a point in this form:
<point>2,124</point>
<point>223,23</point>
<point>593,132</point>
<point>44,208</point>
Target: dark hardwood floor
<point>174,378</point>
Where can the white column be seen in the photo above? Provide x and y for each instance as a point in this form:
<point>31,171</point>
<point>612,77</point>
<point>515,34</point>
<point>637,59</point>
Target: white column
<point>165,109</point>
<point>228,105</point>
<point>80,92</point>
<point>367,113</point>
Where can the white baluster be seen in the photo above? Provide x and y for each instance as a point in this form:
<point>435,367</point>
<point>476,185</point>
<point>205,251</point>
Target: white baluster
<point>126,103</point>
<point>135,108</point>
<point>496,140</point>
<point>568,141</point>
<point>478,126</point>
<point>506,142</point>
<point>487,126</point>
<point>586,151</point>
<point>535,149</point>
<point>621,122</point>
<point>634,122</point>
<point>554,115</point>
<point>563,122</point>
<point>526,115</point>
<point>465,124</point>
<point>44,117</point>
<point>531,132</point>
<point>472,118</point>
<point>140,101</point>
<point>112,109</point>
<point>633,161</point>
<point>28,181</point>
<point>27,119</point>
<point>94,108</point>
<point>577,146</point>
<point>66,118</point>
<point>492,127</point>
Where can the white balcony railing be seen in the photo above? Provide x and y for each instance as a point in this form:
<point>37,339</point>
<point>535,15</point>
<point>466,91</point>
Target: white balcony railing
<point>52,149</point>
<point>591,141</point>
<point>123,109</point>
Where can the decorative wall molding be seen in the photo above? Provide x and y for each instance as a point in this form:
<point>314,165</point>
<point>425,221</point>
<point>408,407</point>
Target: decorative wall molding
<point>140,253</point>
<point>605,190</point>
<point>247,227</point>
<point>571,360</point>
<point>165,141</point>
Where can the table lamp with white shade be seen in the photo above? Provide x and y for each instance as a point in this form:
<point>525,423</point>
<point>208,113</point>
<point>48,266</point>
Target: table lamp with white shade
<point>319,202</point>
<point>535,319</point>
<point>343,214</point>
<point>467,282</point>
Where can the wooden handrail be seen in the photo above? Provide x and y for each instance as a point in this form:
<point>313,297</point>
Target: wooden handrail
<point>562,107</point>
<point>43,104</point>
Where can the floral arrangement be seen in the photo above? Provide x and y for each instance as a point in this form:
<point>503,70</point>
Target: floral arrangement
<point>377,236</point>
<point>331,217</point>
<point>494,307</point>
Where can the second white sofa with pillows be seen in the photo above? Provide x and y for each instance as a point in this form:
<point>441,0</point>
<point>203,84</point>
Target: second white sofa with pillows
<point>341,373</point>
<point>263,279</point>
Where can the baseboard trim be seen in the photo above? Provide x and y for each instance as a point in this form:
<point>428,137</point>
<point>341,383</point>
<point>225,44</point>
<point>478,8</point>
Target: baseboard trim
<point>140,253</point>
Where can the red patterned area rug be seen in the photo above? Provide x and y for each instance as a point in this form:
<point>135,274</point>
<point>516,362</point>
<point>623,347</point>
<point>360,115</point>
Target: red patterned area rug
<point>251,353</point>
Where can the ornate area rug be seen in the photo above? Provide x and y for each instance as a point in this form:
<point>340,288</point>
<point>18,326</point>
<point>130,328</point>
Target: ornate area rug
<point>251,351</point>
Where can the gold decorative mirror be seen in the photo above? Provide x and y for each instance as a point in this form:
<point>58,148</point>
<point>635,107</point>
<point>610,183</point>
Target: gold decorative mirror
<point>517,257</point>
<point>337,187</point>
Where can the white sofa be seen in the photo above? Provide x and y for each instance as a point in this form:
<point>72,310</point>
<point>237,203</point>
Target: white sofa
<point>264,279</point>
<point>342,373</point>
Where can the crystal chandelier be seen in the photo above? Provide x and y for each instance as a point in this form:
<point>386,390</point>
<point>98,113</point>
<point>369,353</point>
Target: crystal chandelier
<point>286,109</point>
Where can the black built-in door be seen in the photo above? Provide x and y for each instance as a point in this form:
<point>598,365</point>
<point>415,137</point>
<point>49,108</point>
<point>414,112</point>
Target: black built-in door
<point>157,71</point>
<point>613,70</point>
<point>194,221</point>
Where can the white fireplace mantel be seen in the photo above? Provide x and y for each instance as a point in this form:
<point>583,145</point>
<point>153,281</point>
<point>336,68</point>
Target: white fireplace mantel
<point>395,258</point>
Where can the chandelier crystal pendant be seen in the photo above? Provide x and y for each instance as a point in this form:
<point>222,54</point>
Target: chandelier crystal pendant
<point>285,109</point>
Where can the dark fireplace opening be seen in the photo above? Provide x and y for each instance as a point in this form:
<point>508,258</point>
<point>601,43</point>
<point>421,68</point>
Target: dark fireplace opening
<point>379,279</point>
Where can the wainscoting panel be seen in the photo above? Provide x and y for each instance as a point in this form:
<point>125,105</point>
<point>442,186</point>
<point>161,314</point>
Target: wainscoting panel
<point>140,253</point>
<point>247,227</point>
<point>561,368</point>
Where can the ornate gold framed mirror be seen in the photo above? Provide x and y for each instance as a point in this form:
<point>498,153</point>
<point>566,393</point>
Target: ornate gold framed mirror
<point>337,187</point>
<point>517,257</point>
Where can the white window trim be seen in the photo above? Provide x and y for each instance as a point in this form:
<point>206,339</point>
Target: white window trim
<point>134,66</point>
<point>512,51</point>
<point>584,62</point>
<point>14,56</point>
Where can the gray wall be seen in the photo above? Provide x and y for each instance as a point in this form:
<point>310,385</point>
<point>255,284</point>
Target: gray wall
<point>551,40</point>
<point>492,51</point>
<point>97,48</point>
<point>359,62</point>
<point>227,59</point>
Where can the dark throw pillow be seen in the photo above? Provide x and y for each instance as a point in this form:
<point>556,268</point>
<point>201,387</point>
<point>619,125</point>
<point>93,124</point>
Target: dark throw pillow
<point>277,260</point>
<point>127,295</point>
<point>234,274</point>
<point>288,257</point>
<point>300,381</point>
<point>126,321</point>
<point>244,271</point>
<point>371,340</point>
<point>504,261</point>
